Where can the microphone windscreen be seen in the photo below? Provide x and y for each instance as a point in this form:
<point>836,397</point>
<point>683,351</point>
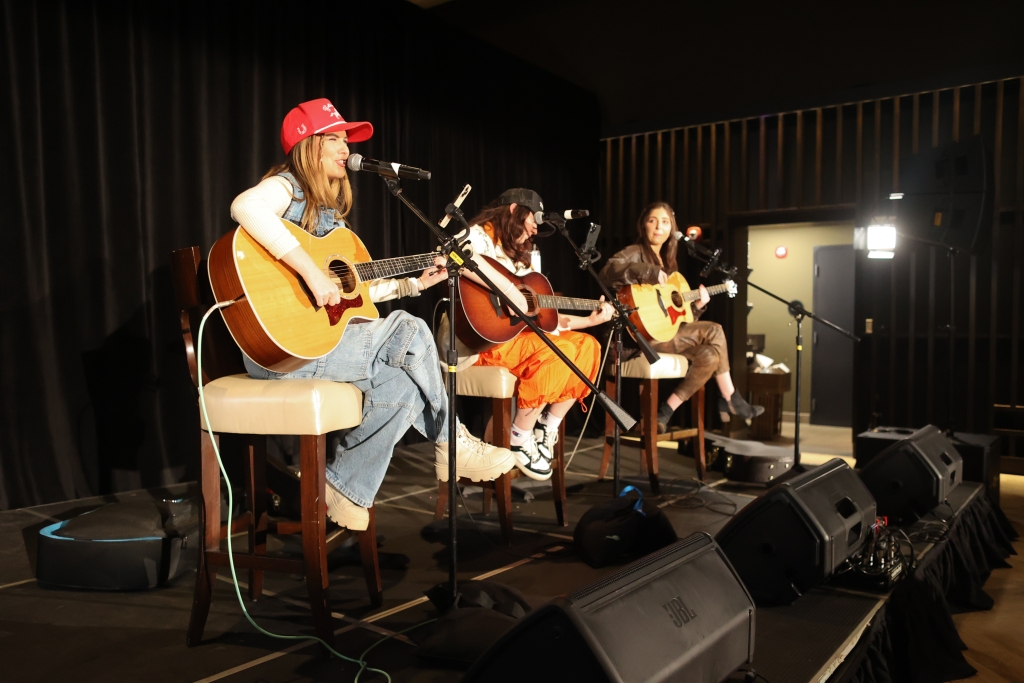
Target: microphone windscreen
<point>538,217</point>
<point>355,162</point>
<point>677,235</point>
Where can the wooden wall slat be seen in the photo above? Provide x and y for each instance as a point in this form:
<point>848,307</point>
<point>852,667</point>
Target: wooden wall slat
<point>896,144</point>
<point>818,123</point>
<point>1018,224</point>
<point>744,168</point>
<point>762,168</point>
<point>726,203</point>
<point>672,169</point>
<point>608,188</point>
<point>686,173</point>
<point>780,165</point>
<point>877,185</point>
<point>915,124</point>
<point>645,192</point>
<point>977,110</point>
<point>698,197</point>
<point>997,172</point>
<point>935,118</point>
<point>713,172</point>
<point>798,172</point>
<point>859,155</point>
<point>659,188</point>
<point>632,176</point>
<point>956,113</point>
<point>839,154</point>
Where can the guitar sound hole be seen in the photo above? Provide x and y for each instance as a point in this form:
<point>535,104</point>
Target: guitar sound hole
<point>677,299</point>
<point>531,301</point>
<point>345,275</point>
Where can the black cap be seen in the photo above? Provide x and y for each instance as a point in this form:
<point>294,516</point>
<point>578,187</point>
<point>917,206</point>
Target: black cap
<point>522,197</point>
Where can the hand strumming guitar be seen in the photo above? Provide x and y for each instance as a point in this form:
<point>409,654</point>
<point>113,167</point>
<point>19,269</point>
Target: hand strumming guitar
<point>320,286</point>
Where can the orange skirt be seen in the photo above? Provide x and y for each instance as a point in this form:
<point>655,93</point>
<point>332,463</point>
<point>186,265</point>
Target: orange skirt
<point>543,377</point>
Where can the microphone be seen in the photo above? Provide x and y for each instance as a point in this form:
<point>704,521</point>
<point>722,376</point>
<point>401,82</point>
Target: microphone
<point>454,205</point>
<point>553,217</point>
<point>356,162</point>
<point>677,235</point>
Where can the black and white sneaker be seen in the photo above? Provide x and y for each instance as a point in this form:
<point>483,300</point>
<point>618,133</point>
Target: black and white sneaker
<point>531,462</point>
<point>546,437</point>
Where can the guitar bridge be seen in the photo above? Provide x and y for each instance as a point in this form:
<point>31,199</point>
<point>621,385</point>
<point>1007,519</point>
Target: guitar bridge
<point>661,302</point>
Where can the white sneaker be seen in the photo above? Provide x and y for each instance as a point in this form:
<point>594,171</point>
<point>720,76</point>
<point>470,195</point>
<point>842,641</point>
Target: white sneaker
<point>531,461</point>
<point>474,459</point>
<point>344,512</point>
<point>546,437</point>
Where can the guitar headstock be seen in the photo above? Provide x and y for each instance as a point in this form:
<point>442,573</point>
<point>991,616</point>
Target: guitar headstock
<point>731,289</point>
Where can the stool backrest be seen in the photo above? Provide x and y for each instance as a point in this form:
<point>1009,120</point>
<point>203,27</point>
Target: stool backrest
<point>193,297</point>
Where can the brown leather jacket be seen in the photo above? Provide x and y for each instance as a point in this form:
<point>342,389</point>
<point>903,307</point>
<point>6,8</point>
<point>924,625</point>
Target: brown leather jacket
<point>629,267</point>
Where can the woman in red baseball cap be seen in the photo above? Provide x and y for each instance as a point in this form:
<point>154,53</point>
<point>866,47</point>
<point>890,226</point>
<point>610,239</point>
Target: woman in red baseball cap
<point>392,360</point>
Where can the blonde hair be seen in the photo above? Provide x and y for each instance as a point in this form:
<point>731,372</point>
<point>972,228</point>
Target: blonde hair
<point>320,192</point>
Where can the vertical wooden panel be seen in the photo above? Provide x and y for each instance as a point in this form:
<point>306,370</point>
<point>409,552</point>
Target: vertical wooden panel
<point>645,192</point>
<point>935,119</point>
<point>977,109</point>
<point>698,199</point>
<point>993,330</point>
<point>1019,228</point>
<point>877,193</point>
<point>780,165</point>
<point>686,172</point>
<point>658,185</point>
<point>713,172</point>
<point>744,168</point>
<point>632,175</point>
<point>608,193</point>
<point>672,168</point>
<point>620,212</point>
<point>915,125</point>
<point>956,113</point>
<point>839,154</point>
<point>762,167</point>
<point>911,338</point>
<point>859,154</point>
<point>798,174</point>
<point>726,202</point>
<point>817,155</point>
<point>896,144</point>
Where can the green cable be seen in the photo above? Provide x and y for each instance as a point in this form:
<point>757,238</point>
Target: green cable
<point>363,666</point>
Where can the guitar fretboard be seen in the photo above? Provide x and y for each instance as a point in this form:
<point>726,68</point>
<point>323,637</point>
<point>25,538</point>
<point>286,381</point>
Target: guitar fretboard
<point>567,303</point>
<point>390,267</point>
<point>694,294</point>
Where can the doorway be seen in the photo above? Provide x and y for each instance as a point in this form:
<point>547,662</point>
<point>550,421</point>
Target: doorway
<point>782,258</point>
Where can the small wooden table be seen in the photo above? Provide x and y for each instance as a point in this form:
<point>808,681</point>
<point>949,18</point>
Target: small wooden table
<point>767,389</point>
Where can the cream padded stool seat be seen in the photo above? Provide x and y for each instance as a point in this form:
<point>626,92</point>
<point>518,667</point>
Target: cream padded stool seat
<point>247,410</point>
<point>668,366</point>
<point>499,385</point>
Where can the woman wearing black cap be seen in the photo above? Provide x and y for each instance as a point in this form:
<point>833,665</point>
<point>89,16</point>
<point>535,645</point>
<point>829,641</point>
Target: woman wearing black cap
<point>392,360</point>
<point>504,232</point>
<point>649,261</point>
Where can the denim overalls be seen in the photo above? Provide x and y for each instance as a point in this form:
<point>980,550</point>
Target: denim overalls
<point>393,361</point>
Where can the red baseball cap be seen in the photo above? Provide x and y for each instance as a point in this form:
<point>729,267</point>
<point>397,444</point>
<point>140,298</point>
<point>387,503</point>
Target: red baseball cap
<point>317,117</point>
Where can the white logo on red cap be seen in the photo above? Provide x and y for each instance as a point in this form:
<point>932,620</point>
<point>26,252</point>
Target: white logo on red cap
<point>333,112</point>
<point>301,130</point>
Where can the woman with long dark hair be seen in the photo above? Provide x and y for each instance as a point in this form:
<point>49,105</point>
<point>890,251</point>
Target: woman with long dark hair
<point>392,360</point>
<point>504,231</point>
<point>650,260</point>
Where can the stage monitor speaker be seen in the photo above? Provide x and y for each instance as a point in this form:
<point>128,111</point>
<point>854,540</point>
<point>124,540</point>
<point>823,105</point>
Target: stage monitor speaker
<point>798,532</point>
<point>680,614</point>
<point>870,443</point>
<point>912,477</point>
<point>945,194</point>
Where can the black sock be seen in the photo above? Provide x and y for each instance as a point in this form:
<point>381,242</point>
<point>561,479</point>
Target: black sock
<point>665,413</point>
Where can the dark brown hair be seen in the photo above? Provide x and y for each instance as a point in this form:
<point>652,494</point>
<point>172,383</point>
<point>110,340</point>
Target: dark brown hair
<point>668,249</point>
<point>508,227</point>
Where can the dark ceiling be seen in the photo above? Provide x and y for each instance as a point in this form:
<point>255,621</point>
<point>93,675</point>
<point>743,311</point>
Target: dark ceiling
<point>657,64</point>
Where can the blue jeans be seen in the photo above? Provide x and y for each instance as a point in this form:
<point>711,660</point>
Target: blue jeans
<point>393,361</point>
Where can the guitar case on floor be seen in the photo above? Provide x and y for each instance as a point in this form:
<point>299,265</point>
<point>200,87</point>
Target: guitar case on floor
<point>751,462</point>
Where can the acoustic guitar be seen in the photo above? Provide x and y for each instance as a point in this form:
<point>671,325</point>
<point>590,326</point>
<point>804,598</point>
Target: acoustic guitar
<point>277,323</point>
<point>483,322</point>
<point>661,309</point>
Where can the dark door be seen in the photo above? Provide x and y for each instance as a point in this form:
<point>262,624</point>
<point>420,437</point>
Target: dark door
<point>832,358</point>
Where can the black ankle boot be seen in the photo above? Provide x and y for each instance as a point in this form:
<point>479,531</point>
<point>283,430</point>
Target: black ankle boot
<point>739,407</point>
<point>664,415</point>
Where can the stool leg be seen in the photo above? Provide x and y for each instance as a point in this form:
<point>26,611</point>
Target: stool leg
<point>558,476</point>
<point>256,481</point>
<point>209,520</point>
<point>503,492</point>
<point>609,430</point>
<point>313,454</point>
<point>697,403</point>
<point>371,563</point>
<point>442,500</point>
<point>488,495</point>
<point>649,433</point>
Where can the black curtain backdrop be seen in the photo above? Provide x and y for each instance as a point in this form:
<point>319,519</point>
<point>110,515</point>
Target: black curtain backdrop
<point>127,129</point>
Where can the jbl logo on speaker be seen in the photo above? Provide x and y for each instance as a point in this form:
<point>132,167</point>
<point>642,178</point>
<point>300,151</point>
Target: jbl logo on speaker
<point>679,612</point>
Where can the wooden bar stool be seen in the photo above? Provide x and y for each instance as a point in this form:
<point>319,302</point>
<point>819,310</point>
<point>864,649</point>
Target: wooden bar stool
<point>253,409</point>
<point>499,385</point>
<point>669,366</point>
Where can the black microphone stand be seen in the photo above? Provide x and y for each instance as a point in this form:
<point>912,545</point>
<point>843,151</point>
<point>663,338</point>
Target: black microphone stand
<point>457,260</point>
<point>587,258</point>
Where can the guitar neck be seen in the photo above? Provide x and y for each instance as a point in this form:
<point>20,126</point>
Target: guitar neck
<point>694,294</point>
<point>567,303</point>
<point>391,267</point>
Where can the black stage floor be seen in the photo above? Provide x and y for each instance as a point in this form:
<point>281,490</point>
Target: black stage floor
<point>48,635</point>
